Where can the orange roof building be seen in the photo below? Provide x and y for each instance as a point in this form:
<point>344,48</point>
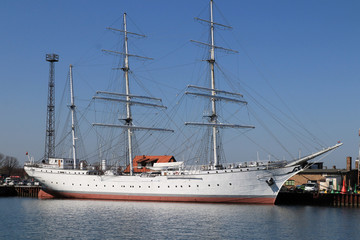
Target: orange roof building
<point>141,162</point>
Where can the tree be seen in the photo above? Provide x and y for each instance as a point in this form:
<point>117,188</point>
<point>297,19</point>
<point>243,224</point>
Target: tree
<point>8,164</point>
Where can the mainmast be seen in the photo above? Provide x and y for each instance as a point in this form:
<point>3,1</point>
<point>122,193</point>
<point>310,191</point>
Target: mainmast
<point>128,120</point>
<point>212,93</point>
<point>118,97</point>
<point>72,108</point>
<point>211,61</point>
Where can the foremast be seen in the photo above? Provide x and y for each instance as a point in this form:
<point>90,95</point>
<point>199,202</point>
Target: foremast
<point>118,97</point>
<point>215,94</point>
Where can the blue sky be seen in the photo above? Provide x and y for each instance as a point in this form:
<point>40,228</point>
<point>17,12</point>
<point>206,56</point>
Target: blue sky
<point>302,53</point>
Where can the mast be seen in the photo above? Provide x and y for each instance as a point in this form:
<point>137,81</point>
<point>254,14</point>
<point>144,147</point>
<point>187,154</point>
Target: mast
<point>72,108</point>
<point>119,97</point>
<point>212,93</point>
<point>128,120</point>
<point>211,61</point>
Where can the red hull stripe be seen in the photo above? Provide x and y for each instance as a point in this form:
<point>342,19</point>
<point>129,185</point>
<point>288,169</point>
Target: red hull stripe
<point>200,199</point>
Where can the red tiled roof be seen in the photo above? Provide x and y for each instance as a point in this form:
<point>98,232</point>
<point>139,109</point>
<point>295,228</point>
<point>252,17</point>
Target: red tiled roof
<point>145,160</point>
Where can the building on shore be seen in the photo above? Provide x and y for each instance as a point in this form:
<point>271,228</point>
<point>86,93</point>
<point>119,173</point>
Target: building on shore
<point>327,179</point>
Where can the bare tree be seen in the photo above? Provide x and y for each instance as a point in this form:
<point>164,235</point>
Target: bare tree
<point>8,164</point>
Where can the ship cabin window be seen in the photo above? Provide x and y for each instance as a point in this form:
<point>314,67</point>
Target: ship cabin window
<point>209,185</point>
<point>148,186</point>
<point>189,186</point>
<point>218,185</point>
<point>112,185</point>
<point>197,185</point>
<point>104,185</point>
<point>158,186</point>
<point>56,161</point>
<point>230,184</point>
<point>290,183</point>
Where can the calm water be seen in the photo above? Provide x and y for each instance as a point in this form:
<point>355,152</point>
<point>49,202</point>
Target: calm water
<point>26,218</point>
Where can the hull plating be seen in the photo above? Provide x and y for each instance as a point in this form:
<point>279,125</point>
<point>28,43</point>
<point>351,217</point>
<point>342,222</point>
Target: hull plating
<point>208,187</point>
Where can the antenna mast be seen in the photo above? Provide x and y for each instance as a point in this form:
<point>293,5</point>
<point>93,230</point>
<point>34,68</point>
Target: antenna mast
<point>50,117</point>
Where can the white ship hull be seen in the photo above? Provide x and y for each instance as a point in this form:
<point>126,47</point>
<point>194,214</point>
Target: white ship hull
<point>240,185</point>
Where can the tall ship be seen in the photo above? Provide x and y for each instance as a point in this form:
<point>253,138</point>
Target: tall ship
<point>161,177</point>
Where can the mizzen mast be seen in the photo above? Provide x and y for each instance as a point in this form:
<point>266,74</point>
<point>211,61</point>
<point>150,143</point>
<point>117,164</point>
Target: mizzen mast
<point>72,108</point>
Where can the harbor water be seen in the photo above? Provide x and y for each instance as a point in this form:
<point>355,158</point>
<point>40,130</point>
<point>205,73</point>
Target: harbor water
<point>30,218</point>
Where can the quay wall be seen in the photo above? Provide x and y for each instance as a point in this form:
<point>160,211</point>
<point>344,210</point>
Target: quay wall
<point>20,191</point>
<point>319,199</point>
